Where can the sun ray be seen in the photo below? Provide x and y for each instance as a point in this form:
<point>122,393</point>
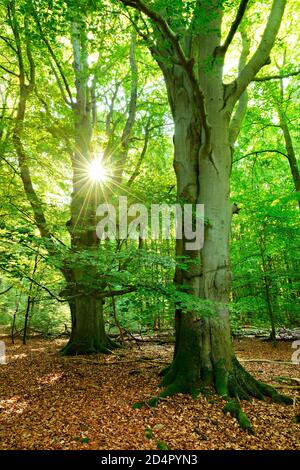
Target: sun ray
<point>97,172</point>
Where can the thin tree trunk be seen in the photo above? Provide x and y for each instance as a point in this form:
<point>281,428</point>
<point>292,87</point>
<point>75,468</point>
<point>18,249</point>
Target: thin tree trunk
<point>30,300</point>
<point>26,319</point>
<point>267,286</point>
<point>290,150</point>
<point>14,319</point>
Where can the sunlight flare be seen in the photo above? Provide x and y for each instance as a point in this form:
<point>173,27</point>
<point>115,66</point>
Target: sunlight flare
<point>97,172</point>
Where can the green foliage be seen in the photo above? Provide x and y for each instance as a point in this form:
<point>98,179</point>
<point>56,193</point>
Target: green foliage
<point>137,406</point>
<point>265,234</point>
<point>161,445</point>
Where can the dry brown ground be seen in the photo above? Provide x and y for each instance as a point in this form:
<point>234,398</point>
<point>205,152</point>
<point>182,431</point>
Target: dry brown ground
<point>50,402</point>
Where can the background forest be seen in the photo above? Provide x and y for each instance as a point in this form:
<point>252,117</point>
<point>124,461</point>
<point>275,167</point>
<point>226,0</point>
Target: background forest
<point>131,125</point>
<point>167,103</point>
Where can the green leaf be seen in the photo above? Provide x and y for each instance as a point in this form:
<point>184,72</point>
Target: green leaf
<point>161,445</point>
<point>148,433</point>
<point>137,405</point>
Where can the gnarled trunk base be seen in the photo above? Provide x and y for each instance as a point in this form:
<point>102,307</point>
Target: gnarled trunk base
<point>88,334</point>
<point>207,361</point>
<point>91,346</point>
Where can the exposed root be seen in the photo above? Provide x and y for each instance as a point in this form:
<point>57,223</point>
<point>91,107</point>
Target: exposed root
<point>177,379</point>
<point>165,370</point>
<point>234,408</point>
<point>74,348</point>
<point>233,385</point>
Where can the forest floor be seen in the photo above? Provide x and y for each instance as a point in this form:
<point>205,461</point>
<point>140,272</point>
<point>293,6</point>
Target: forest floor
<point>51,402</point>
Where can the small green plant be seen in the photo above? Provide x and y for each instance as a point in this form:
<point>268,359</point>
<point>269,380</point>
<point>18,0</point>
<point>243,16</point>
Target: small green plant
<point>161,445</point>
<point>148,433</point>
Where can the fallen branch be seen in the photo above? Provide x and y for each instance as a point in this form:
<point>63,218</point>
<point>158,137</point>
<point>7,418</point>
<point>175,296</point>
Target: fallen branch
<point>157,361</point>
<point>292,387</point>
<point>287,380</point>
<point>268,361</point>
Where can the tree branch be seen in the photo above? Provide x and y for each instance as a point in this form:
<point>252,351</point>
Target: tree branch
<point>9,71</point>
<point>33,281</point>
<point>233,29</point>
<point>7,41</point>
<point>237,119</point>
<point>58,65</point>
<point>262,53</point>
<point>6,290</point>
<point>112,293</point>
<point>25,90</point>
<point>184,61</point>
<point>142,155</point>
<point>256,152</point>
<point>9,164</point>
<point>60,85</point>
<point>128,128</point>
<point>276,77</point>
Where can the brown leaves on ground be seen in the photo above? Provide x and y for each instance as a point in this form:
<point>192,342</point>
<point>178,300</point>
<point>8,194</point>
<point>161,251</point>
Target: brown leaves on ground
<point>50,402</point>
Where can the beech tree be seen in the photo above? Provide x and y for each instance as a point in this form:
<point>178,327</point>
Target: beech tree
<point>77,81</point>
<point>186,41</point>
<point>85,287</point>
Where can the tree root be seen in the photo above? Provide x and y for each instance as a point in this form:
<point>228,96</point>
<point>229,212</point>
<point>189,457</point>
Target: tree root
<point>234,385</point>
<point>73,348</point>
<point>234,408</point>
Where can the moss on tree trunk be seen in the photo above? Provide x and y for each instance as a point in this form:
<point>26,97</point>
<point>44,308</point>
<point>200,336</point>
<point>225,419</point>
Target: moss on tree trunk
<point>205,359</point>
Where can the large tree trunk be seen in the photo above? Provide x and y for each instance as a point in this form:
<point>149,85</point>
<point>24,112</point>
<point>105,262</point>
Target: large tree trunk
<point>88,332</point>
<point>203,346</point>
<point>191,59</point>
<point>203,353</point>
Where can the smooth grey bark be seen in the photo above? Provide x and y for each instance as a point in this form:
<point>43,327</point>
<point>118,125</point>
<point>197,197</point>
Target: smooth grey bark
<point>202,108</point>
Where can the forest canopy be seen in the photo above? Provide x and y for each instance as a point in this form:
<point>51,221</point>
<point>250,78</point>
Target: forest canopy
<point>168,105</point>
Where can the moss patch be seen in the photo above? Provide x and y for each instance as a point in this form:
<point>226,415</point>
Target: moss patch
<point>233,407</point>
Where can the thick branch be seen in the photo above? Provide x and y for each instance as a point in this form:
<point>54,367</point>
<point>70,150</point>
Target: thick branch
<point>187,63</point>
<point>262,53</point>
<point>237,119</point>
